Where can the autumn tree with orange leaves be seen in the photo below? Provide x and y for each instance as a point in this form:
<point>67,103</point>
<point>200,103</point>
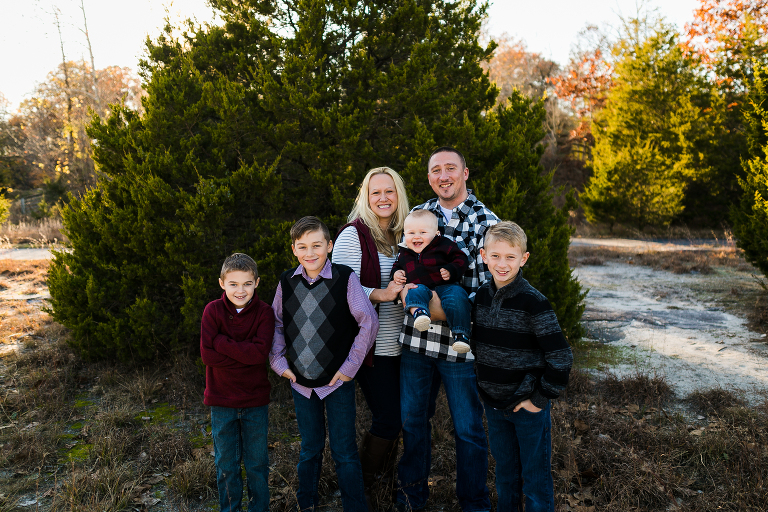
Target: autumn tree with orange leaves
<point>56,146</point>
<point>730,36</point>
<point>585,82</point>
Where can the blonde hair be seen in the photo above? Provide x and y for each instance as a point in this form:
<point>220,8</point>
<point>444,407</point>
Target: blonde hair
<point>509,232</point>
<point>424,214</point>
<point>362,210</point>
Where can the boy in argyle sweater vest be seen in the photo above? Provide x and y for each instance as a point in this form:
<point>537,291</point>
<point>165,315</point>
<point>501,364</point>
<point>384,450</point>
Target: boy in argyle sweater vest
<point>324,327</point>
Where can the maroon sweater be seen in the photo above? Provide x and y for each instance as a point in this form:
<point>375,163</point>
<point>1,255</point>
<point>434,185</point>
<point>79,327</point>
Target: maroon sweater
<point>424,267</point>
<point>234,347</point>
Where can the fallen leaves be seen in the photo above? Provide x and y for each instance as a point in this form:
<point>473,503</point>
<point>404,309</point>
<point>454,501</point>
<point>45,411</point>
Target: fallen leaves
<point>580,426</point>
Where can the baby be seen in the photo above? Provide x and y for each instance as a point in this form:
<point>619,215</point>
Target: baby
<point>433,262</point>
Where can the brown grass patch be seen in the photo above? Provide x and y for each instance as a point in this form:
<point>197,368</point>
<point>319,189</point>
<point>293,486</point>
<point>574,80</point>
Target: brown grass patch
<point>638,389</point>
<point>19,319</point>
<point>194,479</point>
<point>40,233</point>
<point>678,262</point>
<point>714,401</point>
<point>109,487</point>
<point>610,454</point>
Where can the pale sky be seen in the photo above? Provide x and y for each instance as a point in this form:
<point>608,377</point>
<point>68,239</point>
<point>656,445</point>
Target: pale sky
<point>29,42</point>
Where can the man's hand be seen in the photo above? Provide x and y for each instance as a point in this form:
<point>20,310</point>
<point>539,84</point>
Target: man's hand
<point>404,291</point>
<point>339,376</point>
<point>399,277</point>
<point>527,405</point>
<point>445,274</point>
<point>288,374</point>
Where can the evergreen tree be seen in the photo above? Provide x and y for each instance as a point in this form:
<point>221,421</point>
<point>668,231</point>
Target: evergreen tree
<point>655,136</point>
<point>275,114</point>
<point>750,215</point>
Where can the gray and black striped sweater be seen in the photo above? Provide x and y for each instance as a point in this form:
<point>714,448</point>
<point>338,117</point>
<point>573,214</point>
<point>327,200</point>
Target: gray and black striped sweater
<point>520,351</point>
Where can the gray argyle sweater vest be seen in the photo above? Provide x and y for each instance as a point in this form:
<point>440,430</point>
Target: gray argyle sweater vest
<point>319,329</point>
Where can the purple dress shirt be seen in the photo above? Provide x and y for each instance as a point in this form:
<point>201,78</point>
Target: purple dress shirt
<point>362,310</point>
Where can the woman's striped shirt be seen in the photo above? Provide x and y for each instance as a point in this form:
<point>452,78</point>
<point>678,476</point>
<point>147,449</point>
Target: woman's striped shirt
<point>347,251</point>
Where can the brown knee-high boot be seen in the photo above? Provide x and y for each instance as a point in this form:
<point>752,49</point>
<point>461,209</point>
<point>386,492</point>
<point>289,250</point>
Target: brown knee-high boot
<point>388,477</point>
<point>375,456</point>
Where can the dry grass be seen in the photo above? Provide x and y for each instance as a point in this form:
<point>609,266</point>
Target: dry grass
<point>678,262</point>
<point>617,445</point>
<point>194,478</point>
<point>611,454</point>
<point>587,230</point>
<point>714,401</point>
<point>38,233</point>
<point>110,487</point>
<point>77,434</point>
<point>639,389</point>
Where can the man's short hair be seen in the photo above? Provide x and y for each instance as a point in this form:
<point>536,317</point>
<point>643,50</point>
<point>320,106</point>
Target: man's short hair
<point>306,225</point>
<point>423,214</point>
<point>507,231</point>
<point>241,262</point>
<point>449,149</point>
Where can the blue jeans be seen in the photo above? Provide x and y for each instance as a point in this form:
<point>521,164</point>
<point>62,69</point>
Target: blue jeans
<point>311,414</point>
<point>240,435</point>
<point>521,443</point>
<point>455,303</point>
<point>417,372</point>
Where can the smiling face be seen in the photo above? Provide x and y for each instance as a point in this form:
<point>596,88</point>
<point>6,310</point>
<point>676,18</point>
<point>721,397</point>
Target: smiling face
<point>239,287</point>
<point>503,260</point>
<point>448,178</point>
<point>312,250</point>
<point>419,232</point>
<point>382,197</point>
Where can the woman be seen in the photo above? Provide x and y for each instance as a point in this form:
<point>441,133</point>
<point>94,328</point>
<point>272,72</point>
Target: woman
<point>368,244</point>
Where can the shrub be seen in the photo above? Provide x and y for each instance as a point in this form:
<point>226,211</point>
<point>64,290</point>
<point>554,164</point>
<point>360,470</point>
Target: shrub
<point>750,215</point>
<point>232,150</point>
<point>5,209</point>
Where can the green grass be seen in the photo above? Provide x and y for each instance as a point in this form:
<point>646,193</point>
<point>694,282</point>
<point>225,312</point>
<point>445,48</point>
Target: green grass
<point>596,355</point>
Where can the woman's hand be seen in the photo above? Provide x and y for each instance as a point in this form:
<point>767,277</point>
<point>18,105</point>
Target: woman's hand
<point>387,294</point>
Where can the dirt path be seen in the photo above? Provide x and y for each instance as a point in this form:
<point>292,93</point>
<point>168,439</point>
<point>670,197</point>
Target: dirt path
<point>25,254</point>
<point>650,245</point>
<point>669,324</point>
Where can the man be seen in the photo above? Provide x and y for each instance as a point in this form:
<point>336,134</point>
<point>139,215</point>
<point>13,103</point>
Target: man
<point>428,358</point>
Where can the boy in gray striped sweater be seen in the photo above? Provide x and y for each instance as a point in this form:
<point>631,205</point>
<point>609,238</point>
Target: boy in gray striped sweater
<point>522,361</point>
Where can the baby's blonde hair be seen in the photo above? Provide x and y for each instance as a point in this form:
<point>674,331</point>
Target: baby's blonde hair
<point>423,214</point>
<point>507,231</point>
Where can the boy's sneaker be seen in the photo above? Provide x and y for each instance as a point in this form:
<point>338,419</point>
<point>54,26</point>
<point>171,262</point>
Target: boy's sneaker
<point>421,319</point>
<point>460,344</point>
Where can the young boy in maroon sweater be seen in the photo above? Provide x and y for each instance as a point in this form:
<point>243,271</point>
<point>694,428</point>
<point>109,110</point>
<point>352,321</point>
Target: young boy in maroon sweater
<point>236,336</point>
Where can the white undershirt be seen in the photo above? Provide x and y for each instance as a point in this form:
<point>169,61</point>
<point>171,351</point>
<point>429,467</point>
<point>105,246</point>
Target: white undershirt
<point>447,213</point>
